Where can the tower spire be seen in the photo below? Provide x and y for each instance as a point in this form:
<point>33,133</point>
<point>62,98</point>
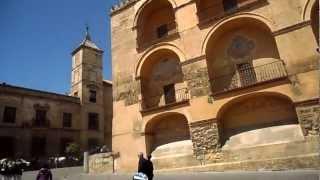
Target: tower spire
<point>87,33</point>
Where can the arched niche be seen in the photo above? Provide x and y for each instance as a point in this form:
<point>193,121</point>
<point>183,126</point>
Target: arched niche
<point>242,52</point>
<point>315,20</point>
<point>155,20</point>
<point>160,78</point>
<point>168,134</point>
<point>258,119</point>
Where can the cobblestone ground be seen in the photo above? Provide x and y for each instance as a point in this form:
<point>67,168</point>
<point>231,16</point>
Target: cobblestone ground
<point>76,174</point>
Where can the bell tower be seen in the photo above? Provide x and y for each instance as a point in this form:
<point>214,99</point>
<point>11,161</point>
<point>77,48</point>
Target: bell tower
<point>87,84</point>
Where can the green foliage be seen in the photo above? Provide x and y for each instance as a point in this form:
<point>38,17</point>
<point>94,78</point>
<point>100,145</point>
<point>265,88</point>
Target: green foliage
<point>73,150</point>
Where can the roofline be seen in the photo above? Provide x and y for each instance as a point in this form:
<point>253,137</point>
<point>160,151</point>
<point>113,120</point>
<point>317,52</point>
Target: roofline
<point>41,93</point>
<point>107,82</point>
<point>117,8</point>
<point>83,46</point>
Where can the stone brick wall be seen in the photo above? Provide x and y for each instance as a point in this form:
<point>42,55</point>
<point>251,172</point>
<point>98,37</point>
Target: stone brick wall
<point>309,118</point>
<point>196,76</point>
<point>205,137</point>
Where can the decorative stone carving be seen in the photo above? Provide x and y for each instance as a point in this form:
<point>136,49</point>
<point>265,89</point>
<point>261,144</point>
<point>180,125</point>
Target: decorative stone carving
<point>240,49</point>
<point>205,137</point>
<point>309,118</point>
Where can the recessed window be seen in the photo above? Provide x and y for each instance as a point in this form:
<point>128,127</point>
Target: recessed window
<point>162,31</point>
<point>169,93</point>
<point>75,94</point>
<point>93,121</point>
<point>40,117</point>
<point>247,74</point>
<point>67,120</point>
<point>9,114</point>
<point>230,5</point>
<point>93,96</point>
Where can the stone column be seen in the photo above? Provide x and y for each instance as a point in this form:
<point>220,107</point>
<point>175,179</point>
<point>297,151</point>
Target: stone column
<point>86,162</point>
<point>205,137</point>
<point>309,117</point>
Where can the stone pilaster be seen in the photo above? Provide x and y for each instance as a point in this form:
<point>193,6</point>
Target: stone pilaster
<point>205,137</point>
<point>309,117</point>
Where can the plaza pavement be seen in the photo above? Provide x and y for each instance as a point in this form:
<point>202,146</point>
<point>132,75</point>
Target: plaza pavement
<point>76,174</point>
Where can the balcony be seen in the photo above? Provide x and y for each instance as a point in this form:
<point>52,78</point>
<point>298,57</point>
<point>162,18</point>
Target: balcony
<point>247,77</point>
<point>216,10</point>
<point>171,31</point>
<point>40,123</point>
<point>177,97</point>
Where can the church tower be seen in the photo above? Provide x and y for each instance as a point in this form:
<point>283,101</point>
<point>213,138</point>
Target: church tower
<point>87,84</point>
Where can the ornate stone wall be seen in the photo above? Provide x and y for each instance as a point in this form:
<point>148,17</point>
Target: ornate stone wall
<point>196,76</point>
<point>309,117</point>
<point>205,137</point>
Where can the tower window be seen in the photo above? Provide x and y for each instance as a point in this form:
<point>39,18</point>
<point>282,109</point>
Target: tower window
<point>93,96</point>
<point>67,120</point>
<point>162,31</point>
<point>93,121</point>
<point>230,4</point>
<point>9,115</point>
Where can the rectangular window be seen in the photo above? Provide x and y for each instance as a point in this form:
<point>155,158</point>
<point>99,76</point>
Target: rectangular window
<point>9,114</point>
<point>169,94</point>
<point>38,146</point>
<point>40,118</point>
<point>67,120</point>
<point>93,121</point>
<point>230,5</point>
<point>247,74</point>
<point>162,31</point>
<point>93,96</point>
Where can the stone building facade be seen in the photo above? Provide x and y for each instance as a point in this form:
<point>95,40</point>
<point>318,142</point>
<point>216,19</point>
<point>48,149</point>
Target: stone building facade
<point>39,124</point>
<point>233,84</point>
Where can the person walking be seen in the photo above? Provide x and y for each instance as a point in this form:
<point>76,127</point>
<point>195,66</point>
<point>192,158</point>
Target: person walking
<point>142,168</point>
<point>149,166</point>
<point>44,173</point>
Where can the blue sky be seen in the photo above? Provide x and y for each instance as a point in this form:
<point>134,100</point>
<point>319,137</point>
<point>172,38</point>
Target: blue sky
<point>37,37</point>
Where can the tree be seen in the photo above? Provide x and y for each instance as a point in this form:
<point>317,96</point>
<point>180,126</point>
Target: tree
<point>73,150</point>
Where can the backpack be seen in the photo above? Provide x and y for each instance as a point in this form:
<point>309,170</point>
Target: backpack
<point>140,176</point>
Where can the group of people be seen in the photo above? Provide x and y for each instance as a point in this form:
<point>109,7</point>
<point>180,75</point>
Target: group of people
<point>11,169</point>
<point>145,168</point>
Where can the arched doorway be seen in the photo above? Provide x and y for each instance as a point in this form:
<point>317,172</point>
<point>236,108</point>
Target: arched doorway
<point>258,119</point>
<point>242,52</point>
<point>315,20</point>
<point>168,134</point>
